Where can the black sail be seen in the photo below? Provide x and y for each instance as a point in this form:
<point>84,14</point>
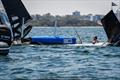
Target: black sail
<point>16,12</point>
<point>111,26</point>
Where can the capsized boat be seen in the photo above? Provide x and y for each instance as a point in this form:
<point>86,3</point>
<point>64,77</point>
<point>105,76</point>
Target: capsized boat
<point>51,40</point>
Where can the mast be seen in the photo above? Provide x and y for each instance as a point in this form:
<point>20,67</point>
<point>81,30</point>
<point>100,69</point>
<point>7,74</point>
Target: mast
<point>119,3</point>
<point>117,11</point>
<point>55,30</point>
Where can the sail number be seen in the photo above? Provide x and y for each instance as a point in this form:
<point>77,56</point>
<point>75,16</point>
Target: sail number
<point>67,40</point>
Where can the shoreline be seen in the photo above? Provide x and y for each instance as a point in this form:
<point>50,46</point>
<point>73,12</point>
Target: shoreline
<point>70,26</point>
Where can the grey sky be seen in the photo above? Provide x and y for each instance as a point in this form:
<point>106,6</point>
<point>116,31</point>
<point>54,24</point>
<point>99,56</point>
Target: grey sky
<point>63,7</point>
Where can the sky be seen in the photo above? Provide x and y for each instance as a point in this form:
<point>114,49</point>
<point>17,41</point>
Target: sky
<point>63,7</point>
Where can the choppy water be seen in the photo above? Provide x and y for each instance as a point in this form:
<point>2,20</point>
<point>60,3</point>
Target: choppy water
<point>62,62</point>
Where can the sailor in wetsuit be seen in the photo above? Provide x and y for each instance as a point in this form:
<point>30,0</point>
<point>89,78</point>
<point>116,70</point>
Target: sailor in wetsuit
<point>95,40</point>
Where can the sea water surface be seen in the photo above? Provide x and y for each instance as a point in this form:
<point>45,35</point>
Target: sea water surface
<point>62,62</point>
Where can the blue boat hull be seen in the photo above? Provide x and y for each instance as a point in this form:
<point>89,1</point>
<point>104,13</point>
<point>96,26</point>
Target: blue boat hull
<point>52,40</point>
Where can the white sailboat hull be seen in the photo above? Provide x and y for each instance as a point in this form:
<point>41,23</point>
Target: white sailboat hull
<point>100,44</point>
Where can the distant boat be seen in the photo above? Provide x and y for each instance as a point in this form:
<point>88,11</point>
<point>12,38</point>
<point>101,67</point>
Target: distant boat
<point>16,22</point>
<point>55,39</point>
<point>111,26</point>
